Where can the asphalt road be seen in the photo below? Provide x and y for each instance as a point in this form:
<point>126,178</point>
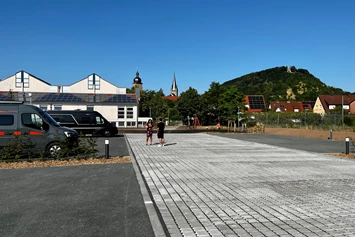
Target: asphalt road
<point>85,200</point>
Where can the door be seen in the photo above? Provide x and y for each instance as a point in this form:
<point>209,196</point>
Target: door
<point>34,130</point>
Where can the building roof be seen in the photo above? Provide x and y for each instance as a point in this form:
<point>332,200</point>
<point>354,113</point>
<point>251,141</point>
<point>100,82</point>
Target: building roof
<point>336,100</point>
<point>30,75</point>
<point>290,106</point>
<point>256,103</point>
<point>171,97</point>
<point>137,79</point>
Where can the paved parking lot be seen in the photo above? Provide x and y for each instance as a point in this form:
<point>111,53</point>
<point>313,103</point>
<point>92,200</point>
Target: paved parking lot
<point>207,185</point>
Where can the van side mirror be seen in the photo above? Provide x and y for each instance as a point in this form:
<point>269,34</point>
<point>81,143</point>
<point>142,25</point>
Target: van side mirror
<point>45,126</point>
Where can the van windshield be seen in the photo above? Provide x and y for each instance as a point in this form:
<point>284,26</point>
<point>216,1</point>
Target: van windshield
<point>47,117</point>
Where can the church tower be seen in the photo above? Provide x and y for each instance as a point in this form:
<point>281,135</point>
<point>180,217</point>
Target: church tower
<point>137,81</point>
<point>174,88</point>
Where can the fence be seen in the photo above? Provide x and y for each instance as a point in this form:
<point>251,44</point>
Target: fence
<point>301,120</point>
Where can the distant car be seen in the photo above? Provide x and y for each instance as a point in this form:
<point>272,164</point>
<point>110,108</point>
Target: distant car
<point>85,122</point>
<point>296,120</point>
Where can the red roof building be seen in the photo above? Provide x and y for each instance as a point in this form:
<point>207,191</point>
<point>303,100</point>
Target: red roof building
<point>326,103</point>
<point>290,106</point>
<point>255,103</point>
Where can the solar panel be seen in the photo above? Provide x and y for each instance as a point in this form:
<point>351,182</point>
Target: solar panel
<point>120,99</point>
<point>4,97</point>
<point>256,102</point>
<point>62,97</point>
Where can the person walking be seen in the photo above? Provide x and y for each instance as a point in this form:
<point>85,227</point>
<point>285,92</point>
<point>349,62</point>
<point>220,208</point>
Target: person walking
<point>149,126</point>
<point>161,127</point>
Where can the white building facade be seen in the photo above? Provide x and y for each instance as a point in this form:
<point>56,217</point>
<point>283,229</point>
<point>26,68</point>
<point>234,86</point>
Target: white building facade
<point>91,93</point>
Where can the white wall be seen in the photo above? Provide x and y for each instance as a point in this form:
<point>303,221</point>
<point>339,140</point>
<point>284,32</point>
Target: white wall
<point>73,107</point>
<point>110,112</point>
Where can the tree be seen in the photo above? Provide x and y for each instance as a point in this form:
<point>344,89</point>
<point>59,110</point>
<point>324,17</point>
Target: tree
<point>229,101</point>
<point>189,103</point>
<point>146,103</point>
<point>211,105</point>
<point>158,105</point>
<point>131,90</point>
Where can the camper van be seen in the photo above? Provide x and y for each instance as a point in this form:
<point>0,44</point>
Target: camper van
<point>44,133</point>
<point>90,123</point>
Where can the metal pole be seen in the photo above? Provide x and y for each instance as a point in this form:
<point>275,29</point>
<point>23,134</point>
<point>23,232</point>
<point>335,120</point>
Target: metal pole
<point>306,118</point>
<point>342,110</point>
<point>107,149</point>
<point>331,134</point>
<point>347,146</point>
<point>238,116</point>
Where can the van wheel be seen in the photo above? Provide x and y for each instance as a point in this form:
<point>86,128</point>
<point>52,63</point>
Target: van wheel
<point>107,134</point>
<point>54,149</point>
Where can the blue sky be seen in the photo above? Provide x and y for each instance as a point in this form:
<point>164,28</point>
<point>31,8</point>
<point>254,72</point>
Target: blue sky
<point>202,41</point>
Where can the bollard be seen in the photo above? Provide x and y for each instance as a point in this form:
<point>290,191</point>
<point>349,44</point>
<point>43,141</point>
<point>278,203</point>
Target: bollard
<point>347,146</point>
<point>107,149</point>
<point>330,134</point>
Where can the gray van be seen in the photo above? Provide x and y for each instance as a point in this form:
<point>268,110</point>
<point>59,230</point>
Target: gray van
<point>44,133</point>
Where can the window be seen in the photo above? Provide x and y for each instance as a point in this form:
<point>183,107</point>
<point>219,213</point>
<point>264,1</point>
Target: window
<point>282,106</point>
<point>90,108</point>
<point>64,119</point>
<point>32,120</point>
<point>94,82</point>
<point>86,119</point>
<point>6,120</point>
<point>99,120</point>
<point>94,98</point>
<point>121,124</point>
<point>129,112</point>
<point>57,107</point>
<point>22,80</point>
<point>121,112</point>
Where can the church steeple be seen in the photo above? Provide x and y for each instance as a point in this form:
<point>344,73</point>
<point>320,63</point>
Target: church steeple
<point>174,88</point>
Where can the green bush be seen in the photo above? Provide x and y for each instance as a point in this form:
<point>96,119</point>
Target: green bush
<point>20,147</point>
<point>17,147</point>
<point>251,124</point>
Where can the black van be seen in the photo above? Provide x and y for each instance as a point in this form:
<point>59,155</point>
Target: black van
<point>45,134</point>
<point>84,121</point>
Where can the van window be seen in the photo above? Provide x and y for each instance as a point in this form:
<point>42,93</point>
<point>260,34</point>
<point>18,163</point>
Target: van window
<point>7,119</point>
<point>64,118</point>
<point>32,120</point>
<point>86,119</point>
<point>99,120</point>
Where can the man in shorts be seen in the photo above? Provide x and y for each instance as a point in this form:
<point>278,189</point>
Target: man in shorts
<point>161,127</point>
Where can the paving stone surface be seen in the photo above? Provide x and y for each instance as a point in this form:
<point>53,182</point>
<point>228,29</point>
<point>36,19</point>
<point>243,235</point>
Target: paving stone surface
<point>205,185</point>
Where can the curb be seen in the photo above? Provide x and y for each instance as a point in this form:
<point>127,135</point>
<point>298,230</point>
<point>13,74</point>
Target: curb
<point>156,220</point>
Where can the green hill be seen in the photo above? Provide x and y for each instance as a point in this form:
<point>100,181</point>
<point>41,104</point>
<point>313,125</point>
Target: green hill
<point>283,83</point>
